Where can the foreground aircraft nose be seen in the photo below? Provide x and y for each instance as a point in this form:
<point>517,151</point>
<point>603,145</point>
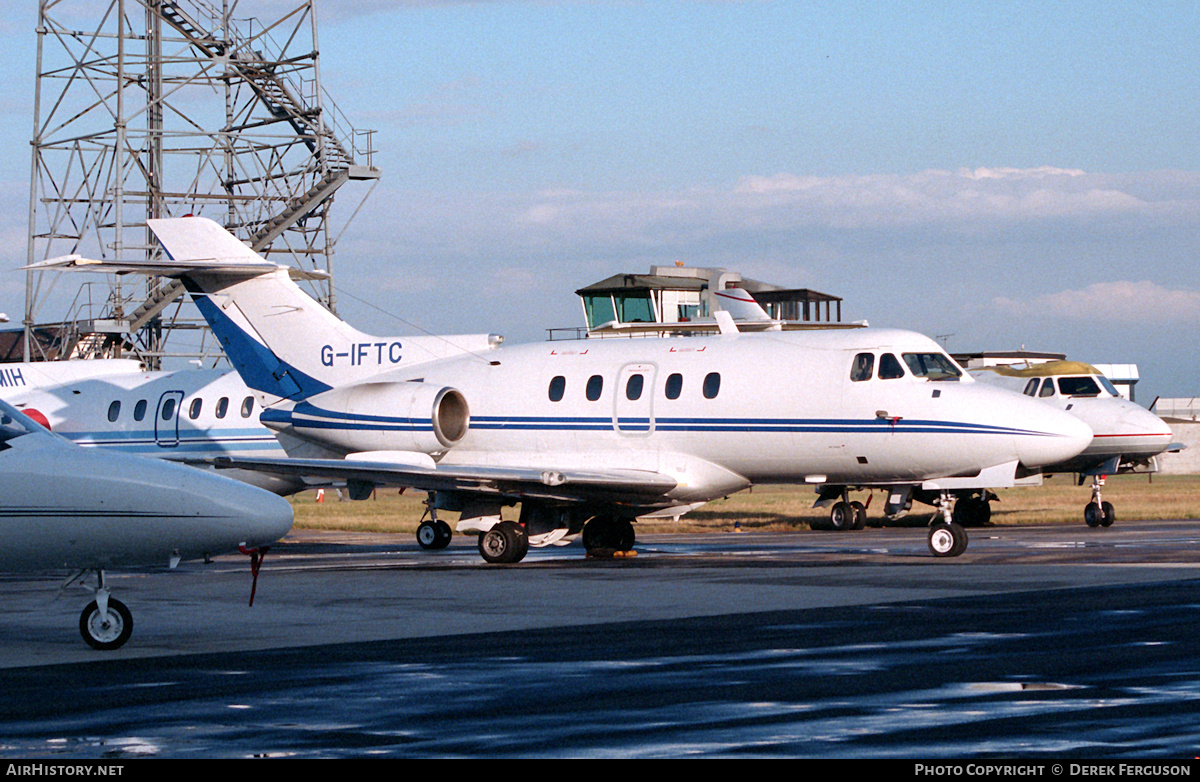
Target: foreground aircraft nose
<point>1049,436</point>
<point>238,514</point>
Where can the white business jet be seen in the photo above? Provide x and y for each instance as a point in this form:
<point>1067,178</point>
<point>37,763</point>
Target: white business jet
<point>66,507</point>
<point>1126,437</point>
<point>589,435</point>
<point>187,415</point>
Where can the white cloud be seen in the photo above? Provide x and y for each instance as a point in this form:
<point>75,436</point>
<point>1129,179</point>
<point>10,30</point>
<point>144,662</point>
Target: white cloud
<point>1120,301</point>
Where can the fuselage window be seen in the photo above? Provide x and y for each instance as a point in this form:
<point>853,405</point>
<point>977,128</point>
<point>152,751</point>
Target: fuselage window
<point>633,387</point>
<point>247,406</point>
<point>114,410</point>
<point>889,367</point>
<point>595,385</point>
<point>194,410</point>
<point>864,367</point>
<point>1047,388</point>
<point>933,366</point>
<point>139,410</point>
<point>712,385</point>
<point>674,385</point>
<point>1031,387</point>
<point>168,410</point>
<point>558,386</point>
<point>222,406</point>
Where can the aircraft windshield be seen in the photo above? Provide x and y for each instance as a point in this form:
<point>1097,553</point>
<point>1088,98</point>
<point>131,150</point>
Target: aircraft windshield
<point>14,423</point>
<point>932,366</point>
<point>1080,386</point>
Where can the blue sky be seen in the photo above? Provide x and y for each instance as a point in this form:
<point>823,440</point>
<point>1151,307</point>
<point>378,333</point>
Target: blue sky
<point>1006,174</point>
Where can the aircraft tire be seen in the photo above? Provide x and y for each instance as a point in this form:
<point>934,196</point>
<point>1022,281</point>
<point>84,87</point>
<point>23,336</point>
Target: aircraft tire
<point>433,536</point>
<point>947,540</point>
<point>609,532</point>
<point>841,517</point>
<point>860,515</point>
<point>504,544</point>
<point>106,635</point>
<point>1092,515</point>
<point>1107,514</point>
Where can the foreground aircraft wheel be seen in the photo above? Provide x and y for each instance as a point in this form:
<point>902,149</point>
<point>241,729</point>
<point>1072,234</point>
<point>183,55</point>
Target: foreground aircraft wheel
<point>433,535</point>
<point>1092,514</point>
<point>106,632</point>
<point>947,540</point>
<point>504,543</point>
<point>1107,514</point>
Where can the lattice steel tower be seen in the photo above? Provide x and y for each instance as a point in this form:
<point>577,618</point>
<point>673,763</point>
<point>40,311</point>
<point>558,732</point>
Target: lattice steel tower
<point>161,108</point>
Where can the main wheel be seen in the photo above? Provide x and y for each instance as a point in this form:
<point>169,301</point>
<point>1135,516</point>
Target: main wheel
<point>841,516</point>
<point>109,631</point>
<point>504,543</point>
<point>947,540</point>
<point>609,532</point>
<point>860,515</point>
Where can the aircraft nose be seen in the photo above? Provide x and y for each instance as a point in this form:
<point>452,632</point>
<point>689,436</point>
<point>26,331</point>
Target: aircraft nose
<point>265,517</point>
<point>1138,420</point>
<point>1053,436</point>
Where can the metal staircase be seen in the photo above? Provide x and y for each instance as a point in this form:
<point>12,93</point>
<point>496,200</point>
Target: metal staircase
<point>269,170</point>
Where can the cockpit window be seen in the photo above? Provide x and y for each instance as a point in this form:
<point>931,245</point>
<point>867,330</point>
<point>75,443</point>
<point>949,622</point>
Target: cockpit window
<point>1047,388</point>
<point>889,367</point>
<point>1108,386</point>
<point>1078,386</point>
<point>863,367</point>
<point>932,366</point>
<point>1031,387</point>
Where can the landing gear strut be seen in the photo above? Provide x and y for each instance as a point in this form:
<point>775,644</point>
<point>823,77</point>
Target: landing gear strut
<point>1099,513</point>
<point>105,623</point>
<point>946,537</point>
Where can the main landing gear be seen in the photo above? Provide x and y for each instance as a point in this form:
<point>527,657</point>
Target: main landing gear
<point>105,623</point>
<point>1099,513</point>
<point>947,538</point>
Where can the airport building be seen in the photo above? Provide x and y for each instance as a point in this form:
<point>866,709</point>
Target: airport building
<point>684,300</point>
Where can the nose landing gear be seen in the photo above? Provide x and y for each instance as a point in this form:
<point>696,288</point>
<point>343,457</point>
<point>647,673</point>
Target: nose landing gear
<point>947,538</point>
<point>1099,513</point>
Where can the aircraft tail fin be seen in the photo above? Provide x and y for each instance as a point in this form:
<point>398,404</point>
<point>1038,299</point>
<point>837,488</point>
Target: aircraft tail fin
<point>281,341</point>
<point>741,305</point>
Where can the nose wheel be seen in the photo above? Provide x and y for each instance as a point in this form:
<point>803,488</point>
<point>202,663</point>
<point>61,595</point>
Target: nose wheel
<point>105,623</point>
<point>947,538</point>
<point>1099,513</point>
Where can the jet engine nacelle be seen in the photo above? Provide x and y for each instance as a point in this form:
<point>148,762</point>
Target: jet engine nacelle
<point>391,416</point>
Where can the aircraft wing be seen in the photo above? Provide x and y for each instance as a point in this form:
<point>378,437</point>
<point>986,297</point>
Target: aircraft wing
<point>547,483</point>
